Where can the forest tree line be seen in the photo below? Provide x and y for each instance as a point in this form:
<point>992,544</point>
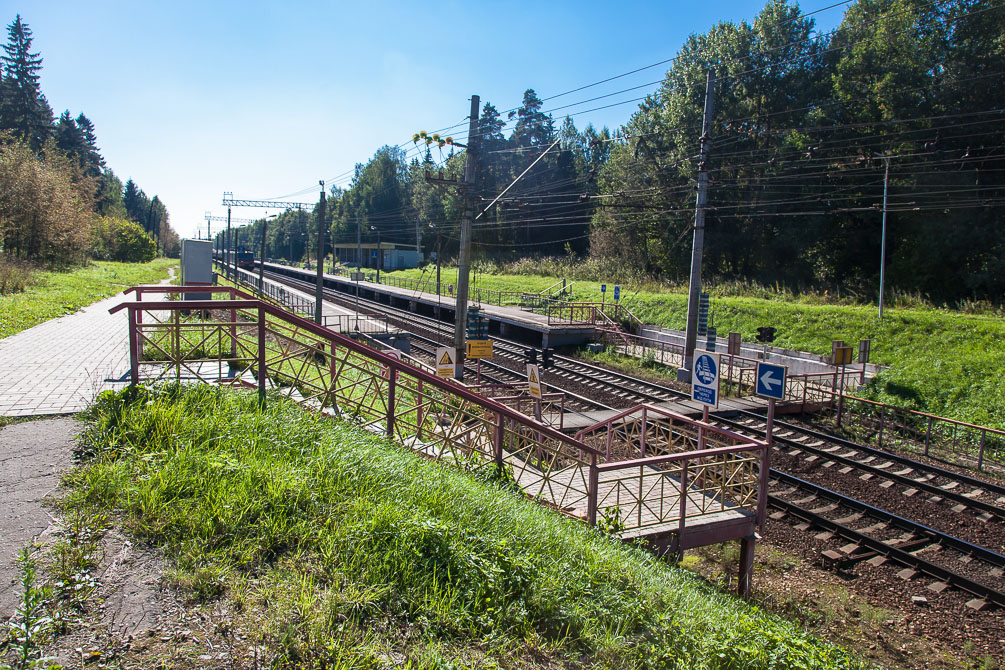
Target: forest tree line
<point>59,202</point>
<point>805,127</point>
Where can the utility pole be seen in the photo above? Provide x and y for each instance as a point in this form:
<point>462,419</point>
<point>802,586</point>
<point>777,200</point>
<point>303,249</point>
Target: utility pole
<point>321,256</point>
<point>882,246</point>
<point>359,248</point>
<point>229,242</point>
<point>464,254</point>
<point>380,252</point>
<point>694,291</point>
<point>261,260</point>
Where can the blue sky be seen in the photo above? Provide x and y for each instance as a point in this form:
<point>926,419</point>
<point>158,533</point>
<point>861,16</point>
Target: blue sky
<point>264,99</point>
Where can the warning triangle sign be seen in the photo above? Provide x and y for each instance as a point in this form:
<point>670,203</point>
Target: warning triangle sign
<point>445,359</point>
<point>533,376</point>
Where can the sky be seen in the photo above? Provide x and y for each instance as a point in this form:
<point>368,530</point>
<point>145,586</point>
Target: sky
<point>192,99</point>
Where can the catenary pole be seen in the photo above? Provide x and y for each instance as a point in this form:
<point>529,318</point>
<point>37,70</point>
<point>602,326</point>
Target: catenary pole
<point>882,246</point>
<point>230,243</point>
<point>694,291</point>
<point>321,255</point>
<point>464,254</point>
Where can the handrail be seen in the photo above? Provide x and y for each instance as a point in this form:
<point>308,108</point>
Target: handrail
<point>351,344</point>
<point>650,461</point>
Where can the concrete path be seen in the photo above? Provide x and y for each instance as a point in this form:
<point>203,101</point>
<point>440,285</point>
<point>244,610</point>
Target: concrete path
<point>59,366</point>
<point>32,457</point>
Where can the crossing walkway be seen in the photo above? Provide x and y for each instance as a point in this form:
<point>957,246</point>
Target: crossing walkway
<point>59,366</point>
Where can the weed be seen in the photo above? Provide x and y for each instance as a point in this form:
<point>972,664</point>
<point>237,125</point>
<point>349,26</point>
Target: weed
<point>30,625</point>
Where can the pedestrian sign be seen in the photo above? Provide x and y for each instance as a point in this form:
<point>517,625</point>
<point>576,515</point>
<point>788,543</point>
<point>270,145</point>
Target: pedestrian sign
<point>771,380</point>
<point>479,349</point>
<point>603,288</point>
<point>444,362</point>
<point>705,378</point>
<point>534,380</point>
<point>617,293</point>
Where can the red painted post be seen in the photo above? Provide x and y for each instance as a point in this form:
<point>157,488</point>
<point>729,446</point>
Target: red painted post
<point>134,361</point>
<point>262,374</point>
<point>391,388</point>
<point>591,508</point>
<point>645,428</point>
<point>928,435</point>
<point>683,508</point>
<point>980,455</point>
<point>418,410</point>
<point>497,441</point>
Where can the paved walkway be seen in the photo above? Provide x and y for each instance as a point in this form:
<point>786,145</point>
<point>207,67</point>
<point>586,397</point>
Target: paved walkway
<point>59,366</point>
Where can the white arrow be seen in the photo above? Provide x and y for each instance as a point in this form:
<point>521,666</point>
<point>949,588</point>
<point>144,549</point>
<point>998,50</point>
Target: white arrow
<point>768,380</point>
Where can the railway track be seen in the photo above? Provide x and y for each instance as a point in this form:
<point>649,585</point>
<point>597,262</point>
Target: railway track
<point>869,532</point>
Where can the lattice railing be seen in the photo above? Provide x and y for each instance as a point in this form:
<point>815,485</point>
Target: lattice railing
<point>234,339</point>
<point>651,455</point>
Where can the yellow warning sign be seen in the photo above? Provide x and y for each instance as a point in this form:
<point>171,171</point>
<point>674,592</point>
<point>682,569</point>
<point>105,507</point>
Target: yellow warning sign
<point>444,362</point>
<point>842,355</point>
<point>534,379</point>
<point>479,349</point>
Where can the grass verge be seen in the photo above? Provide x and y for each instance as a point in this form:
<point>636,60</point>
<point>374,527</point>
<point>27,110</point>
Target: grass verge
<point>940,361</point>
<point>53,294</point>
<point>338,549</point>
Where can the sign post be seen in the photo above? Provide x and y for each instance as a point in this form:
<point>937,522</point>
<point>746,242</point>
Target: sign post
<point>705,385</point>
<point>445,357</point>
<point>534,380</point>
<point>770,384</point>
<point>864,347</point>
<point>842,358</point>
<point>603,294</point>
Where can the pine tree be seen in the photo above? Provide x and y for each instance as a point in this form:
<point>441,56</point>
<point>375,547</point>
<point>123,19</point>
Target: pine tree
<point>94,160</point>
<point>23,108</point>
<point>69,138</point>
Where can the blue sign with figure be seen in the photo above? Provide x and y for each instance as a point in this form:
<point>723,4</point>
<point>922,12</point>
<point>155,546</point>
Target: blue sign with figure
<point>705,378</point>
<point>603,288</point>
<point>617,293</point>
<point>771,380</point>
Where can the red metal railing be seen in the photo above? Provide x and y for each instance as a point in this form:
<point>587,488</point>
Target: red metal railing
<point>242,341</point>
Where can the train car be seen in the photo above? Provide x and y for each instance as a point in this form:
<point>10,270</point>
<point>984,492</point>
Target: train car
<point>245,259</point>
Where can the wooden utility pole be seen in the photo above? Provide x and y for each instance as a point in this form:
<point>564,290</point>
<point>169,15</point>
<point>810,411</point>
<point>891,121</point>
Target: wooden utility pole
<point>321,256</point>
<point>694,291</point>
<point>464,255</point>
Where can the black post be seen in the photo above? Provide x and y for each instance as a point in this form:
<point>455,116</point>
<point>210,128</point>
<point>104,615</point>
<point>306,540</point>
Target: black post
<point>321,256</point>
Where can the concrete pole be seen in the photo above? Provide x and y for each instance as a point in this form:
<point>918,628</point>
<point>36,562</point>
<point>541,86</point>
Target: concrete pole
<point>464,255</point>
<point>691,335</point>
<point>882,250</point>
<point>321,256</point>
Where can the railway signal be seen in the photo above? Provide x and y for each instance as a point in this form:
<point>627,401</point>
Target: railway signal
<point>547,358</point>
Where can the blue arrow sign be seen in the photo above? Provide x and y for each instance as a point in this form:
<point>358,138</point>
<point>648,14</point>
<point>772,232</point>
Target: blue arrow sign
<point>771,380</point>
<point>603,288</point>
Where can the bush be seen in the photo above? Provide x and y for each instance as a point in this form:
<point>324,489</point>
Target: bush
<point>115,239</point>
<point>15,275</point>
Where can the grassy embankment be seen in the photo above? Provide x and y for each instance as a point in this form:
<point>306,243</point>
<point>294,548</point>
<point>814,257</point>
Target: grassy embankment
<point>338,549</point>
<point>52,294</point>
<point>941,361</point>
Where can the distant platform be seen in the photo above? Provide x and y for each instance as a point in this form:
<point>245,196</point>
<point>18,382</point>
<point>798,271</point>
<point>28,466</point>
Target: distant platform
<point>505,321</point>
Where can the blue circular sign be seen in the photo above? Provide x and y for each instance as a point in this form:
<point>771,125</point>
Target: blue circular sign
<point>704,369</point>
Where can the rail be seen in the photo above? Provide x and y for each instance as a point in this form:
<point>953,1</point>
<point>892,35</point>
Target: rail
<point>236,339</point>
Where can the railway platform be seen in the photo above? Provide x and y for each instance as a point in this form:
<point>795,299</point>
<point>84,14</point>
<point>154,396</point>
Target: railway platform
<point>505,321</point>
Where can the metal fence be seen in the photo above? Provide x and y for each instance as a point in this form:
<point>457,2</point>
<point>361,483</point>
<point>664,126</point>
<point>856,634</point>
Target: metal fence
<point>241,341</point>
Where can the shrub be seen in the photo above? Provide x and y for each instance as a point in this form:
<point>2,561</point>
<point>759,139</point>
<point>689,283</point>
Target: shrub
<point>115,239</point>
<point>15,275</point>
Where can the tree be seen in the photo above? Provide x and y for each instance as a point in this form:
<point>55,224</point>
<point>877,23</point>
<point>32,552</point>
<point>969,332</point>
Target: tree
<point>23,108</point>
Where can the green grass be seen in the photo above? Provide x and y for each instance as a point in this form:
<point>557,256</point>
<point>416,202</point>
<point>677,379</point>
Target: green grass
<point>338,549</point>
<point>53,294</point>
<point>940,361</point>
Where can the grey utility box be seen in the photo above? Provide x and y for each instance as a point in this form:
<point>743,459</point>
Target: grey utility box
<point>197,266</point>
